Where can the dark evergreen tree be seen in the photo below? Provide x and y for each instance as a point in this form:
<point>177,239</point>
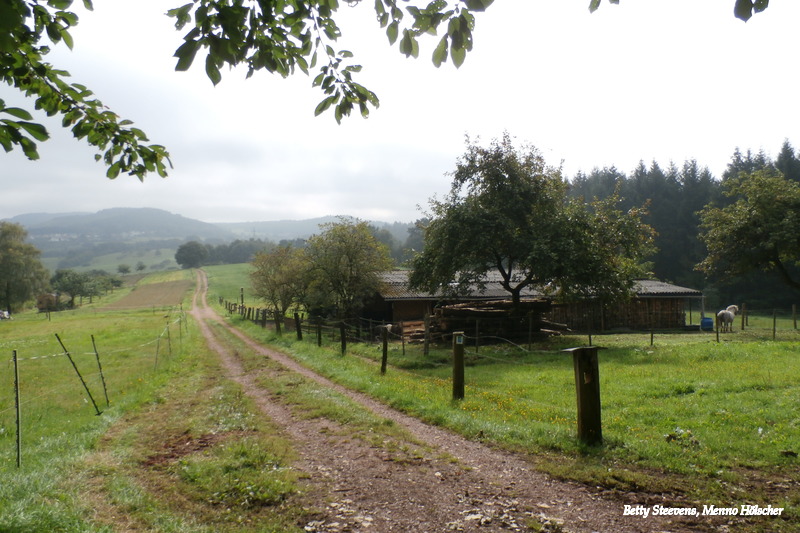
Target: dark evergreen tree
<point>788,163</point>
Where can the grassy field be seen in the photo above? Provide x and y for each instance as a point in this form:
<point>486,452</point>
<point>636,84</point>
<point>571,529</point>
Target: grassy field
<point>712,422</point>
<point>161,455</point>
<point>687,417</point>
<point>158,259</point>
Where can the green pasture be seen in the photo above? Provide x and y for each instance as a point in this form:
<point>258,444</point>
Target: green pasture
<point>59,422</point>
<point>176,448</point>
<point>715,421</point>
<point>153,259</point>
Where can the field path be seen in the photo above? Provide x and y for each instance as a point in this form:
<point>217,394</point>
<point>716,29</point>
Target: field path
<point>376,489</point>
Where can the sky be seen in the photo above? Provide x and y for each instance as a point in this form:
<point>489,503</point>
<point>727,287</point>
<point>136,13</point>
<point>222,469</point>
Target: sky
<point>662,80</point>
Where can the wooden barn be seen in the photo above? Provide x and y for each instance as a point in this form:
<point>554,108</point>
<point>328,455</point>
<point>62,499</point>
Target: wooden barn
<point>656,305</point>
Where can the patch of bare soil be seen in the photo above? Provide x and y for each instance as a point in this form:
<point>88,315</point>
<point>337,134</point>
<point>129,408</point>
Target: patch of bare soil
<point>176,446</point>
<point>163,294</point>
<point>447,483</point>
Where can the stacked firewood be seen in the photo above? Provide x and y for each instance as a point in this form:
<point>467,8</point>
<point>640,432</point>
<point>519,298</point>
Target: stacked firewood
<point>499,318</point>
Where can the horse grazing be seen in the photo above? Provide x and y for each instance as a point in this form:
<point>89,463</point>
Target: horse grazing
<point>725,318</point>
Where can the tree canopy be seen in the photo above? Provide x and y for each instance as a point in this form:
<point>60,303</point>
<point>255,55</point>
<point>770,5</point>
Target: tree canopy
<point>758,231</point>
<point>192,254</point>
<point>278,277</point>
<point>281,37</point>
<point>344,265</point>
<point>508,212</point>
<point>22,275</point>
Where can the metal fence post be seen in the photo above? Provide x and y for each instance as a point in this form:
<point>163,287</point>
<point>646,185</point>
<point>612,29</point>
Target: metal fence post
<point>17,409</point>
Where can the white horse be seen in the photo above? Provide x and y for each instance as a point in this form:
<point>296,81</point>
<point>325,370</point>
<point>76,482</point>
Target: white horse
<point>725,317</point>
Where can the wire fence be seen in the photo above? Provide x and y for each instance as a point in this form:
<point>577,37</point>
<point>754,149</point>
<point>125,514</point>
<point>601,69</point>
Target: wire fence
<point>47,383</point>
<point>523,334</point>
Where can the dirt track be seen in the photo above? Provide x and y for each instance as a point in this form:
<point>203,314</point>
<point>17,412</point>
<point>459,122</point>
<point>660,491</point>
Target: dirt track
<point>377,489</point>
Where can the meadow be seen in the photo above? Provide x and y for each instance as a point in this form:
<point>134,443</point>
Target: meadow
<point>167,399</point>
<point>711,422</point>
<point>684,416</point>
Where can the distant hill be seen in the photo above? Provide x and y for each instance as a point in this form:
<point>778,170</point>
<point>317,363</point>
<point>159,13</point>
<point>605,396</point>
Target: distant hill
<point>119,224</point>
<point>277,230</point>
<point>131,235</point>
<point>111,237</point>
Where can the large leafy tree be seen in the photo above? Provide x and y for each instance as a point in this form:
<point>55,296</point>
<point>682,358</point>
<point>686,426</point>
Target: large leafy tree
<point>345,262</point>
<point>278,277</point>
<point>22,275</point>
<point>277,36</point>
<point>192,254</point>
<point>508,212</point>
<point>757,231</point>
<point>72,283</point>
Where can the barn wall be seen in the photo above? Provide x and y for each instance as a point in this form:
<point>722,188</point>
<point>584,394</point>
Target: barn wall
<point>410,310</point>
<point>639,314</point>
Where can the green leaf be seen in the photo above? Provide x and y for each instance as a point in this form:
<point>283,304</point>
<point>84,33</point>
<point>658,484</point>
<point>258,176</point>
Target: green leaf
<point>325,105</point>
<point>440,53</point>
<point>458,55</point>
<point>409,45</point>
<point>67,39</point>
<point>29,148</point>
<point>37,131</point>
<point>478,5</point>
<point>212,70</point>
<point>17,112</point>
<point>113,170</point>
<point>59,4</point>
<point>185,54</point>
<point>392,32</point>
<point>593,5</point>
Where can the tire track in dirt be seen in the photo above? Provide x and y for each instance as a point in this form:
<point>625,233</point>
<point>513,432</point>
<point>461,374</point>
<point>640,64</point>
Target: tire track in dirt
<point>371,491</point>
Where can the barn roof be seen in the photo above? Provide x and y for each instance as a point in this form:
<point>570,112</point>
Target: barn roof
<point>395,287</point>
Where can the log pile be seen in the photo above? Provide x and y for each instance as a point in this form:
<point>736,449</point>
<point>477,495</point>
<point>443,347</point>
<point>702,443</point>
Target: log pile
<point>496,318</point>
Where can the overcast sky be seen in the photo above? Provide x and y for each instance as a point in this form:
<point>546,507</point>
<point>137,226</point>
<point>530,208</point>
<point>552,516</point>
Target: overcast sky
<point>663,80</point>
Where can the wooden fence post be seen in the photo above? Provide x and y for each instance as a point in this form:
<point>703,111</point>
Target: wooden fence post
<point>278,322</point>
<point>100,368</point>
<point>298,326</point>
<point>530,330</point>
<point>385,339</point>
<point>774,323</point>
<point>319,331</point>
<point>587,387</point>
<point>427,335</point>
<point>745,320</point>
<point>343,333</point>
<point>17,409</point>
<point>88,392</point>
<point>169,340</point>
<point>458,365</point>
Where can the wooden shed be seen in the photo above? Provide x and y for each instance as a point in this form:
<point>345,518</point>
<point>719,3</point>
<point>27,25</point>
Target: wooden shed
<point>656,304</point>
